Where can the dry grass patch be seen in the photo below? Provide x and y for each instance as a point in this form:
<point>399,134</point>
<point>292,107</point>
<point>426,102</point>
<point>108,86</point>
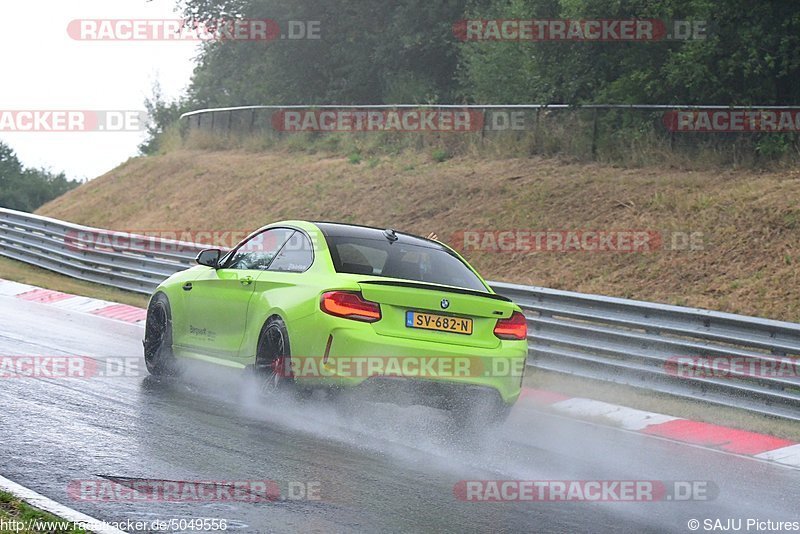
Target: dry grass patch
<point>749,221</point>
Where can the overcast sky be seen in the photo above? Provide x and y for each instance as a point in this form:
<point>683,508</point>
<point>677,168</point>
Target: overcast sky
<point>44,69</point>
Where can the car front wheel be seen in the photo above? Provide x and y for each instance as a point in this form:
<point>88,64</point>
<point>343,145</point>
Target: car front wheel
<point>158,356</point>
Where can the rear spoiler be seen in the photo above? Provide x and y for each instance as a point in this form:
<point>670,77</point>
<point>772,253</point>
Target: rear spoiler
<point>431,287</point>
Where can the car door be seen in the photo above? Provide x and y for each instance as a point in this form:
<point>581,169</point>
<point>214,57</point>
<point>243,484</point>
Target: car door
<point>217,300</point>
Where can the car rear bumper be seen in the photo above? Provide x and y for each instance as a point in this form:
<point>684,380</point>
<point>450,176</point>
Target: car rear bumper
<point>433,393</point>
<point>357,355</point>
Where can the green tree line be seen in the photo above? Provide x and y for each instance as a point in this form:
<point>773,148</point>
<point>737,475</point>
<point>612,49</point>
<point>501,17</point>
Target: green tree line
<point>27,189</point>
<point>385,52</point>
<point>374,52</point>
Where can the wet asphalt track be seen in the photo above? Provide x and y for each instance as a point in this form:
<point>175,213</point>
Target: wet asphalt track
<point>384,468</point>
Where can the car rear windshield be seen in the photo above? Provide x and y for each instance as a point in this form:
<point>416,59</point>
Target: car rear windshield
<point>420,263</point>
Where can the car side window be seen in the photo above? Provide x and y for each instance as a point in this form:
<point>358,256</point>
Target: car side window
<point>259,251</point>
<point>296,256</point>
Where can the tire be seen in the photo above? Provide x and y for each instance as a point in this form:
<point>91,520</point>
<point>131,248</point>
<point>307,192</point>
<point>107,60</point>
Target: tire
<point>158,355</point>
<point>273,359</point>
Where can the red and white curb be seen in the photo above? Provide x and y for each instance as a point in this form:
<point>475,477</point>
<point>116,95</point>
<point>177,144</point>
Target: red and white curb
<point>66,301</point>
<point>707,435</point>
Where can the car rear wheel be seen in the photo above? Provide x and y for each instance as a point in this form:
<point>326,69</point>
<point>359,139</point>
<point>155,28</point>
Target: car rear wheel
<point>158,356</point>
<point>273,364</point>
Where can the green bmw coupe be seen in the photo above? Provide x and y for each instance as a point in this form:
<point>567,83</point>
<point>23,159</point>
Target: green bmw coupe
<point>308,305</point>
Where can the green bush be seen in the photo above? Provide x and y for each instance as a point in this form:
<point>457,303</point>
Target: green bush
<point>440,155</point>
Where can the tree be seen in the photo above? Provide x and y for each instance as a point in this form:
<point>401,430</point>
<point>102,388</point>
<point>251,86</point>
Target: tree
<point>750,56</point>
<point>160,116</point>
<point>370,52</point>
<point>27,189</point>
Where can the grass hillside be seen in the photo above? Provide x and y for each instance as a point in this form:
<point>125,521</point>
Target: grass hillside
<point>749,260</point>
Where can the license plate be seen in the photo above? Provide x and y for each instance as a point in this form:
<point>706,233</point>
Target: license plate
<point>443,323</point>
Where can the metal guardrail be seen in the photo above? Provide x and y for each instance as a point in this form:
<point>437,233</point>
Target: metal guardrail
<point>601,338</point>
<point>118,259</point>
<point>641,344</point>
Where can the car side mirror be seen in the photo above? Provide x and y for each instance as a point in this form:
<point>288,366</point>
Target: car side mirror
<point>209,257</point>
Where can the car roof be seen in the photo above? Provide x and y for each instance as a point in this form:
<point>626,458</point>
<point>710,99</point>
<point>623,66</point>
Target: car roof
<point>334,229</point>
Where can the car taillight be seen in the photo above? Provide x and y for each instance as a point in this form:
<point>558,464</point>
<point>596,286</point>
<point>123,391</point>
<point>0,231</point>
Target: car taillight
<point>350,305</point>
<point>515,327</point>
